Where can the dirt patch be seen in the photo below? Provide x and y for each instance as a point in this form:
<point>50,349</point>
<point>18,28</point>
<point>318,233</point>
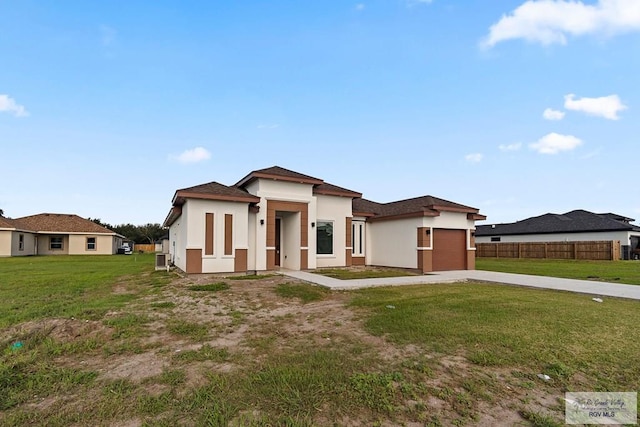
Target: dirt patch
<point>63,330</point>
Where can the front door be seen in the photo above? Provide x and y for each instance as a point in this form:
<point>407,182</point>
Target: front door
<point>277,262</point>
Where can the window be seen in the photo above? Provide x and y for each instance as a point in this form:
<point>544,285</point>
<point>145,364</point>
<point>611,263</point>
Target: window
<point>91,243</point>
<point>495,239</point>
<point>357,238</point>
<point>324,238</point>
<point>21,242</point>
<point>55,243</point>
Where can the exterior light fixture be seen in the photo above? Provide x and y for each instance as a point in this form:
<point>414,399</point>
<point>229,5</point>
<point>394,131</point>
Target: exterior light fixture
<point>313,224</point>
<point>262,222</point>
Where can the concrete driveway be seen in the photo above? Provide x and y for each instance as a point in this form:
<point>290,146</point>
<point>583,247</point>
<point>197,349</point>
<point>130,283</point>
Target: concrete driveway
<point>600,289</point>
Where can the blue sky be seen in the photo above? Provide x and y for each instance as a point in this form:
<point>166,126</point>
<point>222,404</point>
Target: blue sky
<point>518,108</point>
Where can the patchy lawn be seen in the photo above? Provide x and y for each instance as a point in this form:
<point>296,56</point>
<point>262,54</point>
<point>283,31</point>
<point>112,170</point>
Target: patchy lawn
<point>271,351</point>
<point>606,271</point>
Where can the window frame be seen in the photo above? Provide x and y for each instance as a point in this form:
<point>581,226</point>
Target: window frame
<point>21,242</point>
<point>320,225</point>
<point>51,243</point>
<point>95,243</point>
<point>357,238</point>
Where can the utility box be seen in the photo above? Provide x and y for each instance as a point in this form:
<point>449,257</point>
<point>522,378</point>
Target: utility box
<point>162,261</point>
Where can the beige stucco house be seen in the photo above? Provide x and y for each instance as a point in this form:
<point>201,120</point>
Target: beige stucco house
<point>56,234</point>
<point>277,218</point>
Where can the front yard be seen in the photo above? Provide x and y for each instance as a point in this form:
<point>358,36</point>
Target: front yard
<point>108,341</point>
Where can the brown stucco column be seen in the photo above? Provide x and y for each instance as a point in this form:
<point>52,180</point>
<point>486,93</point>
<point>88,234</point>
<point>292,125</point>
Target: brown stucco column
<point>194,261</point>
<point>471,251</point>
<point>425,251</point>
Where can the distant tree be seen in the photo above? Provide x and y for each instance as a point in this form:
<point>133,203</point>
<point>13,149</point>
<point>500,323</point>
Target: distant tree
<point>1,212</point>
<point>151,232</point>
<point>100,223</point>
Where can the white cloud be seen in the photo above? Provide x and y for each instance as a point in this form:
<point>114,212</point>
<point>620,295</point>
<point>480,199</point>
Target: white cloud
<point>551,114</point>
<point>360,6</point>
<point>553,143</point>
<point>510,147</point>
<point>605,106</point>
<point>474,157</point>
<point>551,21</point>
<point>9,105</point>
<point>194,155</point>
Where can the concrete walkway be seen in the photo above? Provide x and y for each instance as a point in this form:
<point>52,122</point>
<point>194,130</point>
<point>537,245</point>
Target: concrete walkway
<point>600,289</point>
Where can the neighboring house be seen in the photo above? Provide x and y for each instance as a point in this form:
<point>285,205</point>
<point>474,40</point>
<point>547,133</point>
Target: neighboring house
<point>56,234</point>
<point>577,225</point>
<point>276,218</point>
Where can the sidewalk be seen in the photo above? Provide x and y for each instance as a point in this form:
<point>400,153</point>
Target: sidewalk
<point>571,285</point>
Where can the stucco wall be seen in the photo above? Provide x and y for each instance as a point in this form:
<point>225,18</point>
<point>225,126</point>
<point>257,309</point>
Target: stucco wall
<point>195,212</point>
<point>5,242</point>
<point>78,244</point>
<point>43,245</point>
<point>336,209</point>
<point>393,243</point>
<point>29,244</point>
<point>281,191</point>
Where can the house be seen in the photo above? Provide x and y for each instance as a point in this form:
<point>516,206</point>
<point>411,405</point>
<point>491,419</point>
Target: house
<point>577,225</point>
<point>277,218</point>
<point>55,234</point>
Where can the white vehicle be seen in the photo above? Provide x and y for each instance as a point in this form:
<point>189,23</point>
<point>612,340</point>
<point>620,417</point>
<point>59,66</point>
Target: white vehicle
<point>125,249</point>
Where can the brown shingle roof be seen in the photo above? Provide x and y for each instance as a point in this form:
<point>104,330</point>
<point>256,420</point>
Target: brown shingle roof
<point>417,206</point>
<point>278,173</point>
<point>9,223</point>
<point>61,223</point>
<point>333,190</point>
<point>213,191</point>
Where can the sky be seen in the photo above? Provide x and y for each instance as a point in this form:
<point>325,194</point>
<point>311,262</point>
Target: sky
<point>517,108</point>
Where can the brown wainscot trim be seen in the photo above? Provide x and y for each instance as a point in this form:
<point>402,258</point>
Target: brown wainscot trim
<point>304,259</point>
<point>240,261</point>
<point>471,260</point>
<point>194,261</point>
<point>358,260</point>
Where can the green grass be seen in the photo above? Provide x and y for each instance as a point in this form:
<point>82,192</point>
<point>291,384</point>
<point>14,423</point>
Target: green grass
<point>498,326</point>
<point>211,287</point>
<point>367,273</point>
<point>305,367</point>
<point>306,293</point>
<point>80,286</point>
<point>608,271</point>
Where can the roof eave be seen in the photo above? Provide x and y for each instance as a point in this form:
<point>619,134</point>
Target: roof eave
<point>261,175</point>
<point>181,196</point>
<point>351,194</point>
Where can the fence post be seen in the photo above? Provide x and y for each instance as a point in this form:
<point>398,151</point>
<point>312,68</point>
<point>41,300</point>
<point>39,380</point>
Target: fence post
<point>575,250</point>
<point>519,250</point>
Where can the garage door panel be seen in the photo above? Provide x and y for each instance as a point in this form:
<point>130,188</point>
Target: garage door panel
<point>449,249</point>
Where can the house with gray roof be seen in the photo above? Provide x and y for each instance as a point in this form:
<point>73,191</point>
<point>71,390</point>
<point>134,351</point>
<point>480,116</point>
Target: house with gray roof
<point>55,234</point>
<point>576,225</point>
<point>277,218</point>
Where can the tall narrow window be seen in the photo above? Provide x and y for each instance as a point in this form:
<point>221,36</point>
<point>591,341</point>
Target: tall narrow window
<point>357,238</point>
<point>228,234</point>
<point>91,243</point>
<point>55,243</point>
<point>21,242</point>
<point>208,234</point>
<point>324,238</point>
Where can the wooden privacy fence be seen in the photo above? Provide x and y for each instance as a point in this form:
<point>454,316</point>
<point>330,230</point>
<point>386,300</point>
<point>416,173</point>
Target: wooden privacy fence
<point>590,250</point>
<point>139,247</point>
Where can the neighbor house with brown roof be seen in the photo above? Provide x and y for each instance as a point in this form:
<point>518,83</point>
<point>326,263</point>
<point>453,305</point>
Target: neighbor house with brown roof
<point>277,218</point>
<point>56,234</point>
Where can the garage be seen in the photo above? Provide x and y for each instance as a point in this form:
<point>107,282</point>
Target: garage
<point>449,249</point>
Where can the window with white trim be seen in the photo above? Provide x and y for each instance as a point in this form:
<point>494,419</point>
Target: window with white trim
<point>324,238</point>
